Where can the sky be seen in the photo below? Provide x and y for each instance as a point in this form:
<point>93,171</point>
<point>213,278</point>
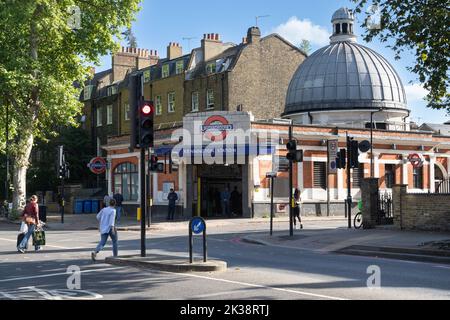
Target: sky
<point>160,22</point>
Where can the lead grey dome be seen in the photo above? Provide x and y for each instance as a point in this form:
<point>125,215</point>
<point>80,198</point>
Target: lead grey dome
<point>345,75</point>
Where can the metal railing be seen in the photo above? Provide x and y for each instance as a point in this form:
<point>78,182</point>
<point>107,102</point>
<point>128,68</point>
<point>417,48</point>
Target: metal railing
<point>443,187</point>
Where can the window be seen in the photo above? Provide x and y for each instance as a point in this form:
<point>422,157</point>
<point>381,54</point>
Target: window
<point>171,102</point>
<point>195,101</point>
<point>320,180</point>
<point>389,175</point>
<point>418,178</point>
<point>211,68</point>
<point>158,105</point>
<point>147,76</point>
<point>99,116</point>
<point>345,28</point>
<point>112,90</point>
<point>127,112</point>
<point>165,71</point>
<point>210,99</point>
<point>338,28</point>
<point>180,67</point>
<point>126,181</point>
<point>358,176</point>
<point>109,114</point>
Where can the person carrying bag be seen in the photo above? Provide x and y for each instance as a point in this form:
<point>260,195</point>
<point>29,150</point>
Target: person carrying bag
<point>30,216</point>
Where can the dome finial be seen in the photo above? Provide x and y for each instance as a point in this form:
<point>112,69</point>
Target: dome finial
<point>343,20</point>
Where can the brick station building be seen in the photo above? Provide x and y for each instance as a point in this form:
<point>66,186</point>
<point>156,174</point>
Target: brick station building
<point>246,96</point>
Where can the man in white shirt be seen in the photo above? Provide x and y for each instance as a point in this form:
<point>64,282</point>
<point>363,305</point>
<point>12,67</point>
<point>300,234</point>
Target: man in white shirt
<point>106,218</point>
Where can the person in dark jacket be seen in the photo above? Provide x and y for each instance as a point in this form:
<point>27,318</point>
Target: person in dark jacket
<point>173,198</point>
<point>119,209</point>
<point>30,216</point>
<point>235,201</point>
<point>297,203</point>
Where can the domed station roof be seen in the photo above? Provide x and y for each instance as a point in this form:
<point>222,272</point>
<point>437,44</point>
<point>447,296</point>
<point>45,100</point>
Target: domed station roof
<point>345,76</point>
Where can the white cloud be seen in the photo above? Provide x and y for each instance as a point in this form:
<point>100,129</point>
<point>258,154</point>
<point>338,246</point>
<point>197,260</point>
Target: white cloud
<point>295,30</point>
<point>415,93</point>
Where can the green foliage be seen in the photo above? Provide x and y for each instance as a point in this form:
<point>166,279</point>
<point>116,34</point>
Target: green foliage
<point>305,46</point>
<point>42,173</point>
<point>131,38</point>
<point>42,56</point>
<point>421,26</point>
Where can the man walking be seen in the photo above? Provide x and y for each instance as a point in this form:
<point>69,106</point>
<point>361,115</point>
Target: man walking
<point>173,198</point>
<point>106,218</point>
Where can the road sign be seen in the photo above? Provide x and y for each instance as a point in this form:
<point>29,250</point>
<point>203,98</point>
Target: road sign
<point>416,160</point>
<point>333,146</point>
<point>198,225</point>
<point>98,165</point>
<point>364,146</point>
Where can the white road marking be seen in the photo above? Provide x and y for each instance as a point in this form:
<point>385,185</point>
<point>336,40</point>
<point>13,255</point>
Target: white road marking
<point>50,246</point>
<point>59,274</point>
<point>216,294</point>
<point>258,286</point>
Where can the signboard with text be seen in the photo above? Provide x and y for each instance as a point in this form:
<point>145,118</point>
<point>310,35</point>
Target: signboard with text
<point>333,148</point>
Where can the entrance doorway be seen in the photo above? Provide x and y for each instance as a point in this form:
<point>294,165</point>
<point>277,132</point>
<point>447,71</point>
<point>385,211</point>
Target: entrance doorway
<point>218,183</point>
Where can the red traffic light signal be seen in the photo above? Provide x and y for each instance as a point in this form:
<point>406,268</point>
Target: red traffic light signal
<point>147,108</point>
<point>146,134</point>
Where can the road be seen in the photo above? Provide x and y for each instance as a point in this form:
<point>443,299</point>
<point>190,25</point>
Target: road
<point>255,272</point>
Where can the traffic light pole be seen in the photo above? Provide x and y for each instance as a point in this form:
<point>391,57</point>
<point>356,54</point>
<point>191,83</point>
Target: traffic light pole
<point>291,200</point>
<point>62,201</point>
<point>349,186</point>
<point>143,203</point>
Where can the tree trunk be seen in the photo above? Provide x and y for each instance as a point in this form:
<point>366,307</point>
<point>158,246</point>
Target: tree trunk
<point>20,173</point>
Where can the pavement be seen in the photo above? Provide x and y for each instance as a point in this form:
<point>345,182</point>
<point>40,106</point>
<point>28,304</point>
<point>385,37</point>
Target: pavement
<point>254,271</point>
<point>332,235</point>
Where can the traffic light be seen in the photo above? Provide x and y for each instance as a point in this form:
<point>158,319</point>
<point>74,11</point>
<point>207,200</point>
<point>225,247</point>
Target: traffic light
<point>154,165</point>
<point>294,155</point>
<point>354,154</point>
<point>146,113</point>
<point>62,172</point>
<point>341,160</point>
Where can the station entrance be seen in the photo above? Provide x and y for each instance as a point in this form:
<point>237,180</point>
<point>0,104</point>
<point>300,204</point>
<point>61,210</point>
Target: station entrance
<point>221,191</point>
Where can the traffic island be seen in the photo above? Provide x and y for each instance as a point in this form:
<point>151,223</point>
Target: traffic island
<point>168,263</point>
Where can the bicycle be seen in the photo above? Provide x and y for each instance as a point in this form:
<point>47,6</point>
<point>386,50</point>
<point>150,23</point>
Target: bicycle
<point>358,221</point>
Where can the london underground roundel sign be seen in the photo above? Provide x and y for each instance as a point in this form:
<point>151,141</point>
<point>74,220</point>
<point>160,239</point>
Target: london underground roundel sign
<point>416,160</point>
<point>98,165</point>
<point>216,128</point>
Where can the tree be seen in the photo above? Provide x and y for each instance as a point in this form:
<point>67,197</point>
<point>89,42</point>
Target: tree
<point>46,47</point>
<point>131,38</point>
<point>305,46</point>
<point>421,26</point>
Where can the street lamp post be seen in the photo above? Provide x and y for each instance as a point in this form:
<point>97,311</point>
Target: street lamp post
<point>372,173</point>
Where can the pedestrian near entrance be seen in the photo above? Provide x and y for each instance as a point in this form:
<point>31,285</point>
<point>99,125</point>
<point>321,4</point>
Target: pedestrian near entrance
<point>106,218</point>
<point>225,201</point>
<point>119,209</point>
<point>30,216</point>
<point>297,203</point>
<point>235,201</point>
<point>173,198</point>
<point>106,200</point>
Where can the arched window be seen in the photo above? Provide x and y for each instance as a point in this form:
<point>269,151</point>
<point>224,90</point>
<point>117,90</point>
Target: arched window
<point>345,28</point>
<point>126,181</point>
<point>338,28</point>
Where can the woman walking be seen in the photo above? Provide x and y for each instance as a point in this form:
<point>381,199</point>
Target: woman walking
<point>30,216</point>
<point>297,202</point>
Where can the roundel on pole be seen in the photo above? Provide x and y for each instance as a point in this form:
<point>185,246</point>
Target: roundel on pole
<point>416,160</point>
<point>98,165</point>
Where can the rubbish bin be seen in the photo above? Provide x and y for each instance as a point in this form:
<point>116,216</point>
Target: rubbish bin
<point>95,206</point>
<point>78,206</point>
<point>87,206</point>
<point>43,213</point>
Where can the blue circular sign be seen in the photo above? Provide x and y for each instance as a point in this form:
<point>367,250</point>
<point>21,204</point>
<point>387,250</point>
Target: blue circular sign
<point>198,225</point>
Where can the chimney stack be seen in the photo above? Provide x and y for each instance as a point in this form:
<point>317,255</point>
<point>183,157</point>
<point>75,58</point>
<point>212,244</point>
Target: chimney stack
<point>174,50</point>
<point>253,35</point>
<point>212,45</point>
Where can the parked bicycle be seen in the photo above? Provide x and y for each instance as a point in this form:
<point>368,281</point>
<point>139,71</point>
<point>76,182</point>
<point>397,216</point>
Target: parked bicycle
<point>358,221</point>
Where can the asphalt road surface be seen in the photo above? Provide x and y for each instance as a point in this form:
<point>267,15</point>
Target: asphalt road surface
<point>255,272</point>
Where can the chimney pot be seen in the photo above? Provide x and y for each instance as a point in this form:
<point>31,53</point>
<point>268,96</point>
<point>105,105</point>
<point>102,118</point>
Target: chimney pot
<point>217,37</point>
<point>204,36</point>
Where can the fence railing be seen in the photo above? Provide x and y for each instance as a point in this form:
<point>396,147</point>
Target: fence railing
<point>443,187</point>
